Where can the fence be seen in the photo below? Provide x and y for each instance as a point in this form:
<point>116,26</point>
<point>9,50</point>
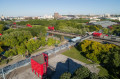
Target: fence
<point>21,63</point>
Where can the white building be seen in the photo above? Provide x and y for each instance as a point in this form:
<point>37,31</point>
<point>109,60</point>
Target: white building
<point>114,18</point>
<point>119,18</point>
<point>46,17</point>
<point>107,15</point>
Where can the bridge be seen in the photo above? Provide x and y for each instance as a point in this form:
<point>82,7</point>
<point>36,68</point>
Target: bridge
<point>64,34</point>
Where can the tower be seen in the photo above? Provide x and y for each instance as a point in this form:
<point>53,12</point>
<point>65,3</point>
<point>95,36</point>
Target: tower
<point>56,15</point>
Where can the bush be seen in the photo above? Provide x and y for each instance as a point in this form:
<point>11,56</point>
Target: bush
<point>93,76</point>
<point>82,72</point>
<point>65,75</point>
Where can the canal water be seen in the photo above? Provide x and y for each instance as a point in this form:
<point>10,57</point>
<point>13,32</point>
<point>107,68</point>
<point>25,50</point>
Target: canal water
<point>59,36</point>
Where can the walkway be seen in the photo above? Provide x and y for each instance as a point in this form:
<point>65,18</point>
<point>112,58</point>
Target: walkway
<point>59,62</point>
<point>64,34</point>
<point>63,63</point>
<point>20,57</point>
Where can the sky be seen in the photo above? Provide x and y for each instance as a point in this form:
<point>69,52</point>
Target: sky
<point>63,7</point>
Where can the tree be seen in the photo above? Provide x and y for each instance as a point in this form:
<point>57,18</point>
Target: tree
<point>21,49</point>
<point>51,41</point>
<point>93,76</point>
<point>1,27</point>
<point>82,73</point>
<point>62,38</point>
<point>65,75</point>
<point>1,50</point>
<point>10,52</point>
<point>105,31</point>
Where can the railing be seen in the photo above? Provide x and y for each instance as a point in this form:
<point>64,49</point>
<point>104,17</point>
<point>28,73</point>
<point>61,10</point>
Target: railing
<point>21,63</point>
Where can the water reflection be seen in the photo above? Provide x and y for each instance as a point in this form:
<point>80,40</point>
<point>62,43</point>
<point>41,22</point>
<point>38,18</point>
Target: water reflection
<point>59,36</point>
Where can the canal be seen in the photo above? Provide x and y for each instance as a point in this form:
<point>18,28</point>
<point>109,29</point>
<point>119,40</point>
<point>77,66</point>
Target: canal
<point>59,36</point>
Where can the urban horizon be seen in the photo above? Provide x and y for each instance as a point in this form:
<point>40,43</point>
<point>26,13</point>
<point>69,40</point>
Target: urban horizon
<point>59,13</point>
<point>64,7</point>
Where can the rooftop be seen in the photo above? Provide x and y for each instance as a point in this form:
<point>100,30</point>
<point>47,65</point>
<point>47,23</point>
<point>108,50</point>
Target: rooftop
<point>104,23</point>
<point>39,59</point>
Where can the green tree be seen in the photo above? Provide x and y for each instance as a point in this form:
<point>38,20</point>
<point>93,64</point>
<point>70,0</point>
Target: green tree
<point>81,73</point>
<point>65,75</point>
<point>21,49</point>
<point>1,27</point>
<point>1,50</point>
<point>62,38</point>
<point>93,76</point>
<point>51,42</point>
<point>105,30</point>
<point>10,52</point>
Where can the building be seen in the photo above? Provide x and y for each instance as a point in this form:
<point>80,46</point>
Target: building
<point>104,24</point>
<point>57,16</point>
<point>119,18</point>
<point>2,18</point>
<point>107,15</point>
<point>114,18</point>
<point>39,64</point>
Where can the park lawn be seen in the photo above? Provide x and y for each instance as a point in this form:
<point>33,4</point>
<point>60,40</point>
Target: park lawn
<point>74,53</point>
<point>36,25</point>
<point>102,72</point>
<point>39,26</point>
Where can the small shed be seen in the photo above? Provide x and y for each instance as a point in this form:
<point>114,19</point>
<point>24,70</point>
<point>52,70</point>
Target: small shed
<point>39,64</point>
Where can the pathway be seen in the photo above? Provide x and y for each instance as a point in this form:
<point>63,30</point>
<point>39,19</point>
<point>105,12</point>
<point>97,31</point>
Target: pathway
<point>59,62</point>
<point>62,63</point>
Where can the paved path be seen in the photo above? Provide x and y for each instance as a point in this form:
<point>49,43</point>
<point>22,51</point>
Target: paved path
<point>20,57</point>
<point>59,62</point>
<point>63,63</point>
<point>22,73</point>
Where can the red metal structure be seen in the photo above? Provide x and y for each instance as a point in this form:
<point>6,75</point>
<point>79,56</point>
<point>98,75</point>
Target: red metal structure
<point>97,34</point>
<point>106,35</point>
<point>51,28</point>
<point>14,23</point>
<point>39,64</point>
<point>29,25</point>
<point>110,27</point>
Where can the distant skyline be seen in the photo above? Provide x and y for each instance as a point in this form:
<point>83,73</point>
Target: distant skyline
<point>63,7</point>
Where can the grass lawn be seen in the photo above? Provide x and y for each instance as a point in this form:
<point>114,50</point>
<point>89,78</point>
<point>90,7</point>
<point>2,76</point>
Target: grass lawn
<point>74,53</point>
<point>103,71</point>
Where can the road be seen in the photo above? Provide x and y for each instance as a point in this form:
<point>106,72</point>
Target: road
<point>101,41</point>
